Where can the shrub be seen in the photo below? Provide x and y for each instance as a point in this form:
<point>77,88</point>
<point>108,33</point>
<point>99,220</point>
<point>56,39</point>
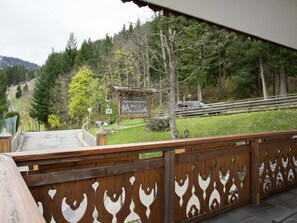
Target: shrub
<point>18,94</point>
<point>54,121</point>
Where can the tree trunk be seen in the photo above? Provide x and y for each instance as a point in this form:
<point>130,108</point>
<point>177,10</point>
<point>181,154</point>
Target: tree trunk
<point>172,82</point>
<point>138,72</point>
<point>220,87</point>
<point>282,82</point>
<point>161,92</point>
<point>199,92</point>
<point>164,64</point>
<point>177,88</point>
<point>274,84</point>
<point>223,81</point>
<point>147,67</point>
<point>265,93</point>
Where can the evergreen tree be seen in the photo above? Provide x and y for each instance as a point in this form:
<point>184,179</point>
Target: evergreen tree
<point>3,88</point>
<point>18,93</point>
<point>84,54</point>
<point>40,101</point>
<point>17,74</point>
<point>70,54</point>
<point>40,106</point>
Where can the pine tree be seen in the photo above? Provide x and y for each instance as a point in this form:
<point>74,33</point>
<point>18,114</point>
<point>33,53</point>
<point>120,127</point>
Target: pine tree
<point>70,53</point>
<point>3,102</point>
<point>84,55</point>
<point>40,101</point>
<point>18,93</point>
<point>40,107</point>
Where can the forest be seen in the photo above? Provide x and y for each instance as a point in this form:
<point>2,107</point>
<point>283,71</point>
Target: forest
<point>182,59</point>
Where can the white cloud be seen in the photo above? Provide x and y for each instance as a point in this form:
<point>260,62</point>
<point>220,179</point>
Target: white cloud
<point>29,29</point>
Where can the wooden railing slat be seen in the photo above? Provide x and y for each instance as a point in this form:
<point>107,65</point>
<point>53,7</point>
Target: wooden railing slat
<point>88,173</point>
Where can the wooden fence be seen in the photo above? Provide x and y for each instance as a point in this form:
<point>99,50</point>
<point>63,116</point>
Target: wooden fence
<point>188,181</point>
<point>244,106</point>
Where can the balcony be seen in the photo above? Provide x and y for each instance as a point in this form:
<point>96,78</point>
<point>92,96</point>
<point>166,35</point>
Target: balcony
<point>185,181</point>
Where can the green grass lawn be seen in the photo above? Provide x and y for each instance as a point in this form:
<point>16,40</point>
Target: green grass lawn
<point>210,126</point>
<point>16,103</point>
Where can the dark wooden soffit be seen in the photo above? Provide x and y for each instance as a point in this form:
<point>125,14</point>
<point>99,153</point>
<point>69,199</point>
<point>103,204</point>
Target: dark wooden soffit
<point>142,4</point>
<point>156,8</point>
<point>167,12</point>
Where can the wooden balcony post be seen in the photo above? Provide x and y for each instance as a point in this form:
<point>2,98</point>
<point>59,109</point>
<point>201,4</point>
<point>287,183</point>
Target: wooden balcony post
<point>101,137</point>
<point>5,143</point>
<point>255,180</point>
<point>169,187</point>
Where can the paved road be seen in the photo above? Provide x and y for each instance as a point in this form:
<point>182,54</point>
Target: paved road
<point>34,141</point>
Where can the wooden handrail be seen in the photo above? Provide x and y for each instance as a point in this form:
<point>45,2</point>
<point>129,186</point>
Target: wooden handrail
<point>17,203</point>
<point>142,147</point>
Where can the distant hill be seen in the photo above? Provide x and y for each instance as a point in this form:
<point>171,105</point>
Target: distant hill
<point>11,61</point>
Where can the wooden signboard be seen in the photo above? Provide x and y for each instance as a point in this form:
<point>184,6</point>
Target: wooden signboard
<point>133,103</point>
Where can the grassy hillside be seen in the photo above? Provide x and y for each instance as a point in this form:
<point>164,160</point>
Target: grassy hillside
<point>22,106</point>
<point>212,126</point>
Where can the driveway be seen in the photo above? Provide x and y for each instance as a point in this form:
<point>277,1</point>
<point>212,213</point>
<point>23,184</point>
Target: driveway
<point>38,141</point>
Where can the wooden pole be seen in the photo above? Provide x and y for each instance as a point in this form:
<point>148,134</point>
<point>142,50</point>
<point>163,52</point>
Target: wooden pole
<point>119,109</point>
<point>169,187</point>
<point>5,144</point>
<point>101,137</point>
<point>255,180</point>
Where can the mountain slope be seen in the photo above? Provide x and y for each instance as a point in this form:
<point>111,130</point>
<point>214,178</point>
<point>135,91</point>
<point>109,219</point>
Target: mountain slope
<point>11,61</point>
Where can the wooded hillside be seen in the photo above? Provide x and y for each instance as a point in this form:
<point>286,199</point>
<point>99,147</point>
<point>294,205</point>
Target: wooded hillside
<point>183,59</point>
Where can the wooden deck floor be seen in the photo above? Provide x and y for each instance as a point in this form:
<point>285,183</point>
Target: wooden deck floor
<point>274,207</point>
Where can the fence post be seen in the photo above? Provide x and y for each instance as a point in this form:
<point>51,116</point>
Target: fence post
<point>101,137</point>
<point>255,179</point>
<point>5,141</point>
<point>5,144</point>
<point>169,187</point>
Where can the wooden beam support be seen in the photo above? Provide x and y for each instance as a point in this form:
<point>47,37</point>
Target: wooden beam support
<point>255,180</point>
<point>169,187</point>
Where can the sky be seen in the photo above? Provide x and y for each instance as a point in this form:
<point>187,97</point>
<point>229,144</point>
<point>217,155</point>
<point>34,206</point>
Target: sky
<point>30,29</point>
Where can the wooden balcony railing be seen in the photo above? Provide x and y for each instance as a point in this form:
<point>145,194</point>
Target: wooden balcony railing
<point>189,181</point>
<point>16,202</point>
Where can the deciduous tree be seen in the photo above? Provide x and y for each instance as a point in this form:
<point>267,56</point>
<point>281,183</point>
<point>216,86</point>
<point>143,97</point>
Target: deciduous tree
<point>85,91</point>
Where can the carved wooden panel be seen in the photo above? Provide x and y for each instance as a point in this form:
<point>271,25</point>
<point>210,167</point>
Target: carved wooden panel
<point>278,166</point>
<point>116,198</point>
<point>208,185</point>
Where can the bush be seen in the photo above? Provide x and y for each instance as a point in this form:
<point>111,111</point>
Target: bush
<point>18,94</point>
<point>54,122</point>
